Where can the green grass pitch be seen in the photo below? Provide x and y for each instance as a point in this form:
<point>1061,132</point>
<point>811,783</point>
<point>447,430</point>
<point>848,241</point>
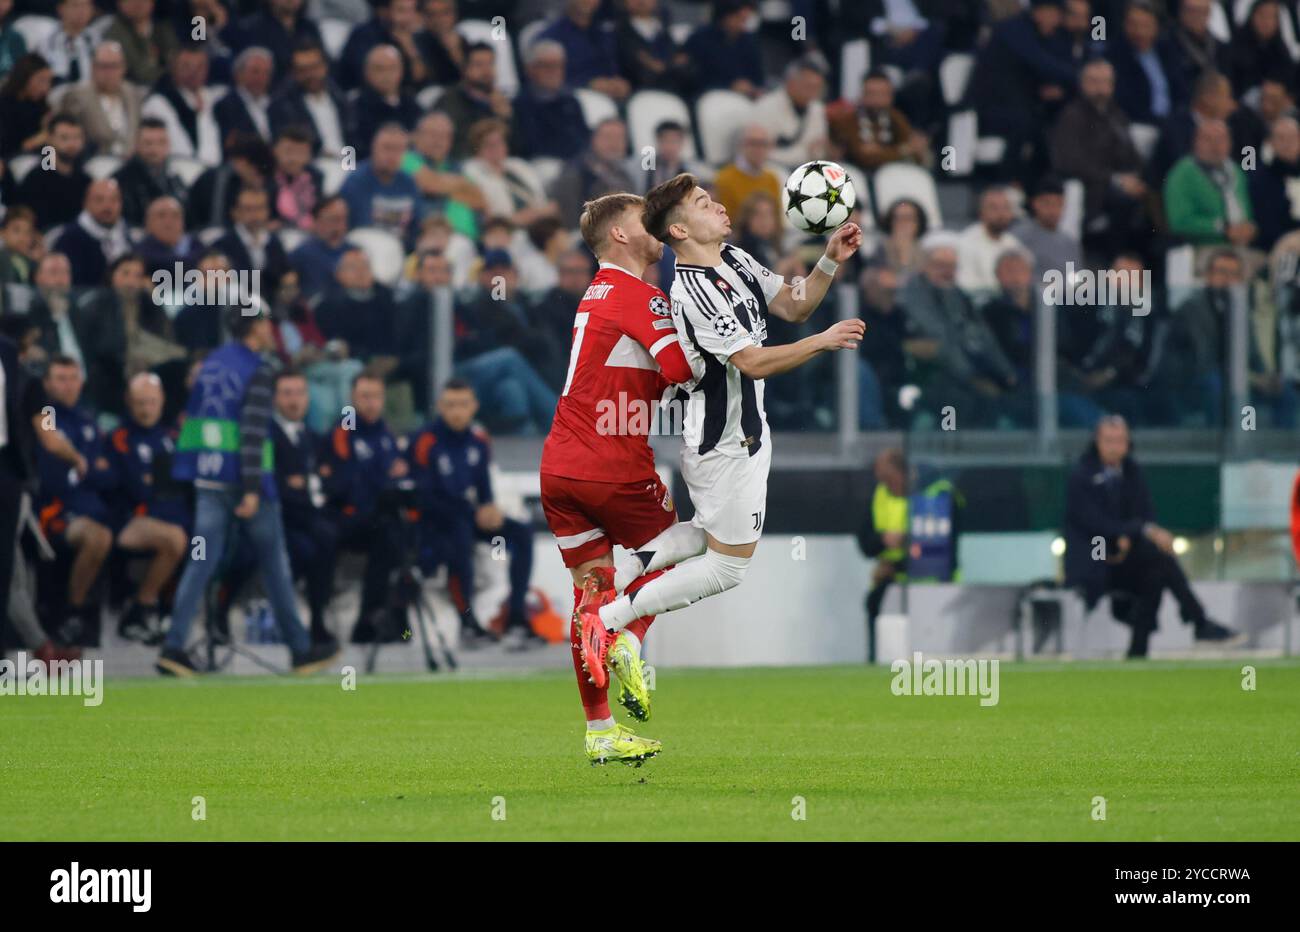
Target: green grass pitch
<point>1179,751</point>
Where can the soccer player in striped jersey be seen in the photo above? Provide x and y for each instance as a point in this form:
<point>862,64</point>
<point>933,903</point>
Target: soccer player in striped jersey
<point>721,298</point>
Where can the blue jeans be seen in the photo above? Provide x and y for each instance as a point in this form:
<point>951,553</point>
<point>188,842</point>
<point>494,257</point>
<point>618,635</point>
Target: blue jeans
<point>871,407</point>
<point>214,521</point>
<point>510,390</point>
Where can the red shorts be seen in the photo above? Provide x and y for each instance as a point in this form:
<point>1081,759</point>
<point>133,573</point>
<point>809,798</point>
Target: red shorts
<point>588,517</point>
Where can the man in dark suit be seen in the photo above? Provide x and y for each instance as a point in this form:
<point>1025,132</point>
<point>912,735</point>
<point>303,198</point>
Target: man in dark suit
<point>1148,81</point>
<point>247,105</point>
<point>97,237</point>
<point>144,177</point>
<point>16,465</point>
<point>279,27</point>
<point>310,99</point>
<point>1112,542</point>
<point>250,245</point>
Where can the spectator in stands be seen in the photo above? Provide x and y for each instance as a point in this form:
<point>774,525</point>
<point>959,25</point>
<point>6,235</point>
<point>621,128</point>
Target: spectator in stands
<point>382,99</point>
<point>223,36</point>
<point>1207,200</point>
<point>904,225</point>
<point>150,342</point>
<point>648,56</point>
<point>1211,100</point>
<point>441,47</point>
<point>725,54</point>
<point>1051,247</point>
<point>359,311</point>
<point>1081,31</point>
<point>669,159</point>
<point>553,311</point>
<point>413,316</point>
<point>73,514</point>
<point>24,109</point>
<point>379,193</point>
<point>548,117</point>
<point>475,98</point>
<point>493,337</point>
<point>451,461</point>
<point>280,27</point>
<point>958,359</point>
<point>58,194</point>
<point>1109,355</point>
<point>203,327</point>
<point>1107,497</point>
<point>1012,313</point>
<point>98,236</point>
<point>749,171</point>
<point>145,177</point>
<point>394,23</point>
<point>600,170</point>
<point>165,241</point>
<point>146,43</point>
<point>251,245</point>
<point>106,105</point>
<point>1148,82</point>
<point>69,48</point>
<point>246,107</point>
<point>1258,50</point>
<point>757,230</point>
<point>795,114</point>
<point>151,510</point>
<point>310,99</point>
<point>882,363</point>
<point>591,57</point>
<point>296,183</point>
<point>185,105</point>
<point>537,257</point>
<point>1199,350</point>
<point>1275,184</point>
<point>16,237</point>
<point>981,243</point>
<point>875,132</point>
<point>316,259</point>
<point>12,44</point>
<point>510,186</point>
<point>1021,77</point>
<point>1190,47</point>
<point>361,461</point>
<point>326,364</point>
<point>1091,142</point>
<point>70,327</point>
<point>445,189</point>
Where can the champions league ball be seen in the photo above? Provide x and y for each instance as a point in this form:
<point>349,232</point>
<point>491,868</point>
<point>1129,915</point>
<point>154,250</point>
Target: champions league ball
<point>819,196</point>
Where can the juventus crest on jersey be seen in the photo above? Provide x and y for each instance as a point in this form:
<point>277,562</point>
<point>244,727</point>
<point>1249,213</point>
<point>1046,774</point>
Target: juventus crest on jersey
<point>719,311</point>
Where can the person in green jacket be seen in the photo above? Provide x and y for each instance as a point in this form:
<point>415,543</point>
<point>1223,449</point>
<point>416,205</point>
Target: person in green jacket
<point>1207,201</point>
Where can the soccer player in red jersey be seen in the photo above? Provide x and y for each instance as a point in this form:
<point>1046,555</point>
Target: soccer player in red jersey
<point>598,481</point>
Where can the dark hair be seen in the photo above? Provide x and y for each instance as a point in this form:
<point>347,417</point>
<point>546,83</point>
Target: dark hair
<point>473,47</point>
<point>456,384</point>
<point>150,123</point>
<point>121,261</point>
<point>288,372</point>
<point>307,45</point>
<point>541,230</point>
<point>670,126</point>
<point>22,72</point>
<point>65,119</point>
<point>328,201</point>
<point>877,74</point>
<point>19,212</point>
<point>367,375</point>
<point>61,359</point>
<point>296,132</point>
<point>922,221</point>
<point>661,204</point>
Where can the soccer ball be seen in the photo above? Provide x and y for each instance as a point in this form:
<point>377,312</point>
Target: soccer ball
<point>819,196</point>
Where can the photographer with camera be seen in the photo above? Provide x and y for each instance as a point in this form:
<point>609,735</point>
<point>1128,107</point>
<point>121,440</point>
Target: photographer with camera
<point>450,458</point>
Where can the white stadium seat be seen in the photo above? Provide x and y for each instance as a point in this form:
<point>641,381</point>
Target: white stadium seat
<point>332,174</point>
<point>954,76</point>
<point>528,35</point>
<point>385,252</point>
<point>899,180</point>
<point>1220,27</point>
<point>291,238</point>
<point>596,106</point>
<point>186,169</point>
<point>547,169</point>
<point>334,35</point>
<point>20,165</point>
<point>1144,137</point>
<point>1072,215</point>
<point>647,109</point>
<point>35,29</point>
<point>855,62</point>
<point>103,166</point>
<point>963,136</point>
<point>428,96</point>
<point>481,30</point>
<point>720,115</point>
<point>209,235</point>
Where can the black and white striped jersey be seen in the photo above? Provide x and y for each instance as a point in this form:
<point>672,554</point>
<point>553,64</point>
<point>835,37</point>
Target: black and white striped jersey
<point>719,311</point>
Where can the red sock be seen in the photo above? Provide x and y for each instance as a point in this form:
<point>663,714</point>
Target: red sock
<point>639,626</point>
<point>595,702</point>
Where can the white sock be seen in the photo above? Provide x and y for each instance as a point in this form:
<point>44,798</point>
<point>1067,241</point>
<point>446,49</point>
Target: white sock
<point>684,584</point>
<point>681,541</point>
<point>600,724</point>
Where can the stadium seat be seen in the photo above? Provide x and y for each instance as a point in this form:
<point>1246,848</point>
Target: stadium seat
<point>186,169</point>
<point>292,237</point>
<point>647,109</point>
<point>482,30</point>
<point>963,136</point>
<point>20,165</point>
<point>861,180</point>
<point>855,62</point>
<point>528,35</point>
<point>56,95</point>
<point>332,174</point>
<point>428,96</point>
<point>898,180</point>
<point>954,75</point>
<point>334,36</point>
<point>1220,27</point>
<point>720,116</point>
<point>385,252</point>
<point>547,170</point>
<point>1072,215</point>
<point>595,106</point>
<point>680,32</point>
<point>103,166</point>
<point>1180,267</point>
<point>209,235</point>
<point>35,29</point>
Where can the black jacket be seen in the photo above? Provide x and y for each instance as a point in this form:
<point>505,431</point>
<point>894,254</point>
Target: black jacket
<point>1098,507</point>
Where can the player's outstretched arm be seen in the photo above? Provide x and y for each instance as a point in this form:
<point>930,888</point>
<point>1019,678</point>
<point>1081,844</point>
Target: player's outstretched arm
<point>763,362</point>
<point>797,303</point>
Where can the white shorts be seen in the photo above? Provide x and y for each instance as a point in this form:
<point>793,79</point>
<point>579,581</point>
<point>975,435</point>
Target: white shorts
<point>729,493</point>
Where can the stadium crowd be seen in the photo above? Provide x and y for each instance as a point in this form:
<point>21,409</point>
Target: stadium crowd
<point>364,156</point>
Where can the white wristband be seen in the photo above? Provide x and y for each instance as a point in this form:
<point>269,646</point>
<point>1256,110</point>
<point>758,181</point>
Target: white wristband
<point>825,264</point>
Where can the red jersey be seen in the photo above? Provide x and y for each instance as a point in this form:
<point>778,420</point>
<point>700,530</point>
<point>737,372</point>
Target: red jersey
<point>624,354</point>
